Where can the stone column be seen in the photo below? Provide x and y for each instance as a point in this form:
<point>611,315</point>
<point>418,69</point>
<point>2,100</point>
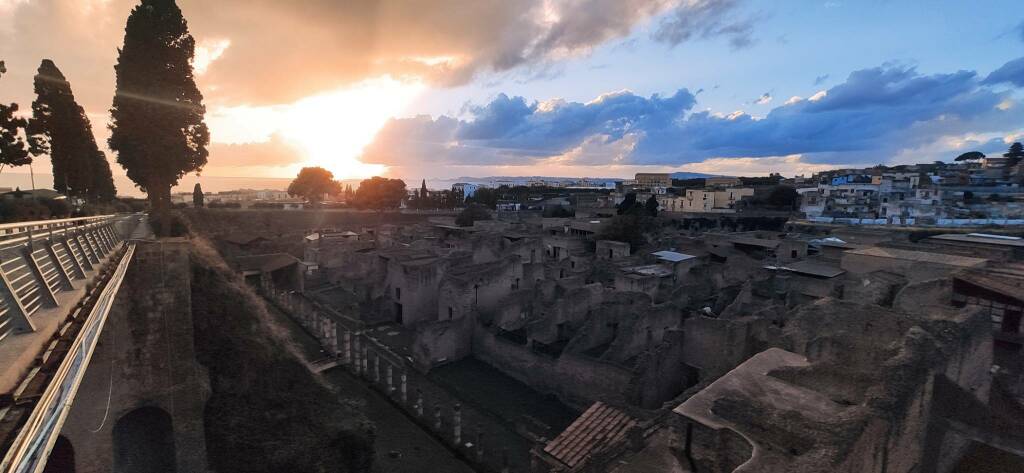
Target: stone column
<point>403,388</point>
<point>390,380</point>
<point>376,368</point>
<point>365,368</point>
<point>457,424</point>
<point>346,343</point>
<point>479,443</point>
<point>332,337</point>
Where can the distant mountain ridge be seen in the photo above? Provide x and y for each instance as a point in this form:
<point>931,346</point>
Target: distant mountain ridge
<point>438,183</point>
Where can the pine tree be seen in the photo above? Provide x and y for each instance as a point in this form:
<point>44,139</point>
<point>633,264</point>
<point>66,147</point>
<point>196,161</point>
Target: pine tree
<point>1015,153</point>
<point>59,127</point>
<point>13,149</point>
<point>157,124</point>
<point>197,197</point>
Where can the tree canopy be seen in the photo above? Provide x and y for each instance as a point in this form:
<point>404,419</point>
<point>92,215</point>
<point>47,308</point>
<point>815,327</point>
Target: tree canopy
<point>157,126</point>
<point>1015,153</point>
<point>380,193</point>
<point>628,204</point>
<point>313,184</point>
<point>627,228</point>
<point>485,196</point>
<point>60,128</point>
<point>783,197</point>
<point>651,206</point>
<point>970,156</point>
<point>472,213</point>
<point>13,149</point>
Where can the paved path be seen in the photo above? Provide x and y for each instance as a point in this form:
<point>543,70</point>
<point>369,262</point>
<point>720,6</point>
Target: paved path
<point>143,230</point>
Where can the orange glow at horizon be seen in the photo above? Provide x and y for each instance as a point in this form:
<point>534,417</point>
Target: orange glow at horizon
<point>333,128</point>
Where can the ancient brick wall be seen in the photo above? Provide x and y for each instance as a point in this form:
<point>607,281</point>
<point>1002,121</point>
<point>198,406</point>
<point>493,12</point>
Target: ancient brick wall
<point>145,360</point>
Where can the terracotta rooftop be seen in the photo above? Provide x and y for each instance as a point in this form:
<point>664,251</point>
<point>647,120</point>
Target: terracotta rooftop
<point>599,428</point>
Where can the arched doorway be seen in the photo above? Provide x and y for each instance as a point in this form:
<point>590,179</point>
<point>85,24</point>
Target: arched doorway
<point>144,442</point>
<point>62,457</point>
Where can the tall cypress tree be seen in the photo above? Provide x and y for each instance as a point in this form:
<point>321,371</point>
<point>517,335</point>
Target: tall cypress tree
<point>198,199</point>
<point>102,189</point>
<point>59,127</point>
<point>13,149</point>
<point>157,115</point>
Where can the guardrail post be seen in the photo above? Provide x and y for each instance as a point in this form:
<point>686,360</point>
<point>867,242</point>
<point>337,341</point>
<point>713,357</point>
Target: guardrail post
<point>79,270</point>
<point>19,316</point>
<point>103,235</point>
<point>100,241</point>
<point>37,274</point>
<point>65,278</point>
<point>86,261</point>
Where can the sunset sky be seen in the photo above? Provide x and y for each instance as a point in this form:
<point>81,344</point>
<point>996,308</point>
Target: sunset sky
<point>601,88</point>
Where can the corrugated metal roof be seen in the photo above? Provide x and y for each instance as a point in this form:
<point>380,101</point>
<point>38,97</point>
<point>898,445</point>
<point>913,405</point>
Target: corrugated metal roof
<point>755,242</point>
<point>672,256</point>
<point>920,256</point>
<point>600,427</point>
<point>982,238</point>
<point>814,268</point>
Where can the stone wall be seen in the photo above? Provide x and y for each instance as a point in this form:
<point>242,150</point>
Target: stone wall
<point>145,359</point>
<point>577,380</point>
<point>715,346</point>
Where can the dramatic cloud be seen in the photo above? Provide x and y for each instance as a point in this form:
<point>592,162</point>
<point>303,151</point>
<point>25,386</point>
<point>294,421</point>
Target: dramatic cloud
<point>705,19</point>
<point>270,52</point>
<point>511,131</point>
<point>1011,73</point>
<point>870,117</point>
<point>764,99</point>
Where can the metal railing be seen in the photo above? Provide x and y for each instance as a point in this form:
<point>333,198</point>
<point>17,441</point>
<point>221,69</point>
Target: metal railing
<point>39,259</point>
<point>21,232</point>
<point>29,452</point>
